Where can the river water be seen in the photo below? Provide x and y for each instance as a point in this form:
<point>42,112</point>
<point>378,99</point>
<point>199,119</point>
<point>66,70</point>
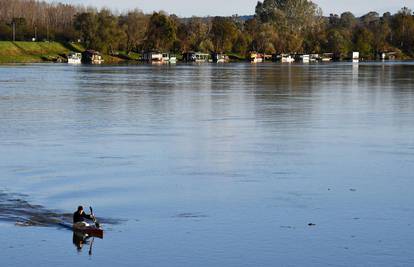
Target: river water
<point>211,165</point>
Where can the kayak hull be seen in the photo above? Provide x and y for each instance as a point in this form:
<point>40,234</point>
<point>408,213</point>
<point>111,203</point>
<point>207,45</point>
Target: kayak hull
<point>89,230</point>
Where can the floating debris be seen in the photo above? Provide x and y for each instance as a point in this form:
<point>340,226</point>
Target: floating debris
<point>190,215</point>
<point>311,224</point>
<point>287,227</point>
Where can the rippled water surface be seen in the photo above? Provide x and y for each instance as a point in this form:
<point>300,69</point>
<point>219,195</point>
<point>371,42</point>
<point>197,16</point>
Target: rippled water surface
<point>210,165</point>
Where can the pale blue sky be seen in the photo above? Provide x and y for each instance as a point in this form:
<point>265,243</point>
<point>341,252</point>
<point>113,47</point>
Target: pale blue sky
<point>242,7</point>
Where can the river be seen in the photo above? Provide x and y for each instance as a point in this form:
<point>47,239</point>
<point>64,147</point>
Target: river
<point>211,165</point>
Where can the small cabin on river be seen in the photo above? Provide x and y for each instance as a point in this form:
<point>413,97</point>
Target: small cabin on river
<point>220,58</point>
<point>92,57</point>
<point>197,57</point>
<point>158,57</point>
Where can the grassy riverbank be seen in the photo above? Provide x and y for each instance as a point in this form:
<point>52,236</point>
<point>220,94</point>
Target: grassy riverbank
<point>28,52</point>
<point>34,52</point>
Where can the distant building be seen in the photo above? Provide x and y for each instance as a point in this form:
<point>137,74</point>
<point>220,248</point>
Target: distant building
<point>355,56</point>
<point>304,58</point>
<point>169,58</point>
<point>92,57</point>
<point>256,57</point>
<point>158,57</point>
<point>326,57</point>
<point>220,58</point>
<point>387,55</point>
<point>284,58</point>
<point>74,58</point>
<point>197,57</point>
<point>152,57</point>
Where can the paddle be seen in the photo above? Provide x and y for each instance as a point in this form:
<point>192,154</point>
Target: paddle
<point>91,246</point>
<point>94,218</point>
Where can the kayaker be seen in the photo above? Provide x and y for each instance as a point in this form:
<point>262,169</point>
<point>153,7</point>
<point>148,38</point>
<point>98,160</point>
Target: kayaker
<point>80,216</point>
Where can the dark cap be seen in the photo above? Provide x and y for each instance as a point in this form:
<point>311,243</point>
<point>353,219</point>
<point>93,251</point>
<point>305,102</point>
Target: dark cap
<point>80,208</point>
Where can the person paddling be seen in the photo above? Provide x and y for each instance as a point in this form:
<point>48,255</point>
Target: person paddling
<point>80,216</point>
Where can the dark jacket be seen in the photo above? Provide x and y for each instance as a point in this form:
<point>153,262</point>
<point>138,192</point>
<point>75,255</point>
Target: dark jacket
<point>78,217</point>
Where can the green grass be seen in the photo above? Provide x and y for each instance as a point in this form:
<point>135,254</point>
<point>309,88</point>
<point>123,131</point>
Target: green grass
<point>129,56</point>
<point>28,52</point>
<point>32,52</point>
<point>75,47</point>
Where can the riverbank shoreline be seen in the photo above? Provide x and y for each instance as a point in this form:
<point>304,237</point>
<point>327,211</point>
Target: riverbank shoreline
<point>46,52</point>
<point>56,52</point>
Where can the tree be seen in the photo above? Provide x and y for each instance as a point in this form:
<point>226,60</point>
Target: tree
<point>135,24</point>
<point>292,20</point>
<point>110,34</point>
<point>298,14</point>
<point>161,33</point>
<point>338,43</point>
<point>223,34</point>
<point>403,30</point>
<point>347,20</point>
<point>192,33</point>
<point>21,28</point>
<point>363,42</point>
<point>266,40</point>
<point>86,24</point>
<point>241,45</point>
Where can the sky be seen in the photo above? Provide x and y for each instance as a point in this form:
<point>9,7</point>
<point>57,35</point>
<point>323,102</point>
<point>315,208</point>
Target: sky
<point>186,8</point>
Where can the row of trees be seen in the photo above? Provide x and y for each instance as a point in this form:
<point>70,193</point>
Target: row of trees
<point>278,26</point>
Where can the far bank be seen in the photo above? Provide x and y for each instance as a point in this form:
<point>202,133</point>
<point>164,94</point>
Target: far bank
<point>37,52</point>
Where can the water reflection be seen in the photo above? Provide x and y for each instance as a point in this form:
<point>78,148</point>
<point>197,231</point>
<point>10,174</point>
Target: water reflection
<point>80,240</point>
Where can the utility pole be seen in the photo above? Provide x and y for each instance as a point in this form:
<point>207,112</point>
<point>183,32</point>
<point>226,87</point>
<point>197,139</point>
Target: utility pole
<point>14,31</point>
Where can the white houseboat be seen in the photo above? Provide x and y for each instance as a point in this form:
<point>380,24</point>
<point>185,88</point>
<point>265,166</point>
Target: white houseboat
<point>256,57</point>
<point>326,57</point>
<point>74,58</point>
<point>158,58</point>
<point>169,58</point>
<point>283,58</point>
<point>220,58</point>
<point>355,57</point>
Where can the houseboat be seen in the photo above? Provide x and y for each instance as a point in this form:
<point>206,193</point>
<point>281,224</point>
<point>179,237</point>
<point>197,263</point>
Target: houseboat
<point>196,57</point>
<point>92,57</point>
<point>256,57</point>
<point>355,57</point>
<point>152,57</point>
<point>220,58</point>
<point>286,58</point>
<point>326,57</point>
<point>283,58</point>
<point>74,58</point>
<point>315,58</point>
<point>304,58</point>
<point>387,55</point>
<point>169,58</point>
<point>158,58</point>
